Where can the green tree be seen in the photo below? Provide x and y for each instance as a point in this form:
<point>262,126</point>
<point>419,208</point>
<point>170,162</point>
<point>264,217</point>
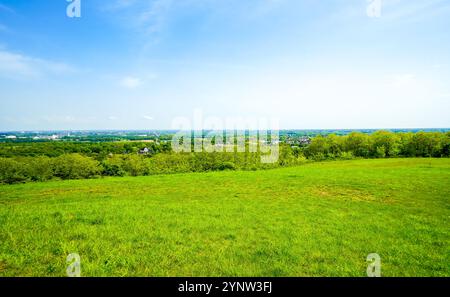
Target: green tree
<point>387,140</point>
<point>40,168</point>
<point>426,144</point>
<point>12,171</point>
<point>76,166</point>
<point>358,144</point>
<point>135,165</point>
<point>319,147</point>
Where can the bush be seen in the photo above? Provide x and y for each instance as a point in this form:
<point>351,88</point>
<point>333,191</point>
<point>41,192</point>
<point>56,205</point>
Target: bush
<point>135,165</point>
<point>76,166</point>
<point>12,172</point>
<point>39,168</point>
<point>170,163</point>
<point>318,157</point>
<point>227,166</point>
<point>380,152</point>
<point>112,170</point>
<point>346,156</point>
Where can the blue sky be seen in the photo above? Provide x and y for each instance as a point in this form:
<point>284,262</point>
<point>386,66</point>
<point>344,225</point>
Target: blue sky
<point>137,64</point>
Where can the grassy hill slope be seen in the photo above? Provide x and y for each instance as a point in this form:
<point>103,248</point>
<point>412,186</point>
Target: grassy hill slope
<point>321,219</point>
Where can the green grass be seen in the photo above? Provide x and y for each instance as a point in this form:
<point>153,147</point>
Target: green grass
<point>320,219</point>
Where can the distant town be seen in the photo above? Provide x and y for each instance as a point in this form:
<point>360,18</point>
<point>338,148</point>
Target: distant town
<point>291,137</point>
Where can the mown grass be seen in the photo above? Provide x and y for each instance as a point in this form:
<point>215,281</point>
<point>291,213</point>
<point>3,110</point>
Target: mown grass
<point>320,219</point>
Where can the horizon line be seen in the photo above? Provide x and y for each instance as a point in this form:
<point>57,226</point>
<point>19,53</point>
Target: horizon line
<point>170,130</point>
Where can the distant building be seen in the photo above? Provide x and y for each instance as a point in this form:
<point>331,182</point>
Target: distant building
<point>144,151</point>
<point>305,140</point>
<point>11,137</point>
<point>300,141</point>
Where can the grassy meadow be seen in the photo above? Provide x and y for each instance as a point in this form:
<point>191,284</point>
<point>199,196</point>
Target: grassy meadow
<point>319,219</point>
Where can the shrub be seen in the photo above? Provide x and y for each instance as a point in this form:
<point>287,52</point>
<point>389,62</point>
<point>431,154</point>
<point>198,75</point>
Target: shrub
<point>12,171</point>
<point>380,152</point>
<point>346,156</point>
<point>170,163</point>
<point>39,168</point>
<point>318,157</point>
<point>135,165</point>
<point>112,170</point>
<point>76,166</point>
<point>227,166</point>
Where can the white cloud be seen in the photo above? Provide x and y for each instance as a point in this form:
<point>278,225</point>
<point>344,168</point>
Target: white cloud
<point>113,118</point>
<point>148,117</point>
<point>130,82</point>
<point>13,65</point>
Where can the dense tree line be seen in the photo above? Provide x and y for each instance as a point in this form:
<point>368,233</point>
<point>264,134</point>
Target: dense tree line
<point>42,168</point>
<point>77,166</point>
<point>380,144</point>
<point>46,161</point>
<point>97,150</point>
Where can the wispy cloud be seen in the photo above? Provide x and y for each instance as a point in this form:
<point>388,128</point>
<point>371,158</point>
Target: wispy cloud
<point>130,82</point>
<point>153,16</point>
<point>147,117</point>
<point>119,4</point>
<point>14,65</point>
<point>5,8</point>
<point>148,16</point>
<point>413,10</point>
<point>393,10</point>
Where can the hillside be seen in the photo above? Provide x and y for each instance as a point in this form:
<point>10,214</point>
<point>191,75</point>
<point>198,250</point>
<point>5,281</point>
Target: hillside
<point>320,219</point>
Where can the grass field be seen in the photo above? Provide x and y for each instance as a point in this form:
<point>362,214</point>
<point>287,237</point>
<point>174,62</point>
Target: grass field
<point>320,219</point>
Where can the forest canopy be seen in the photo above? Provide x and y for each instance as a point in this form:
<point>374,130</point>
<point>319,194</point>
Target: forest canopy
<point>41,161</point>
